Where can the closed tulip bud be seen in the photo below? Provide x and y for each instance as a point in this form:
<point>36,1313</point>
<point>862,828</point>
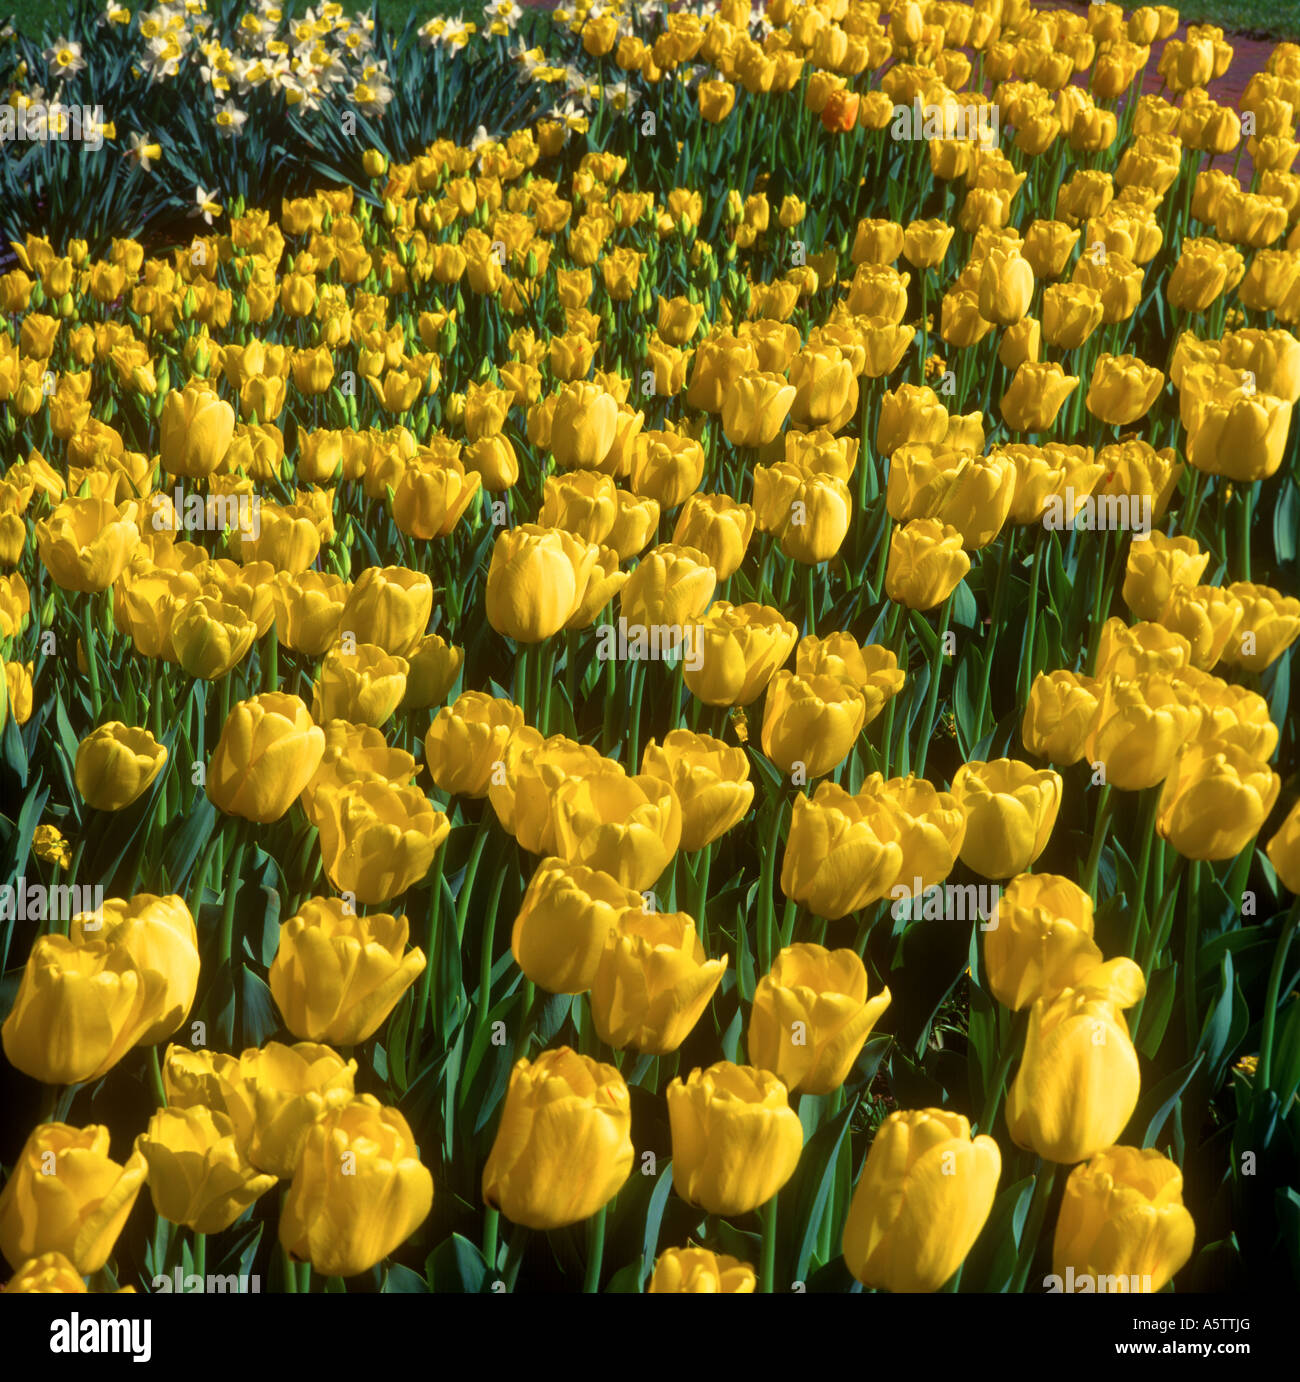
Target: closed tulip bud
<point>739,648</point>
<point>568,913</point>
<point>811,721</point>
<point>432,669</point>
<point>1207,616</point>
<point>582,426</point>
<point>196,431</point>
<point>979,499</point>
<point>842,853</point>
<point>1139,728</point>
<point>1241,437</point>
<point>735,1138</point>
<point>268,750</point>
<point>709,778</point>
<point>466,739</point>
<point>1205,270</point>
<point>925,243</point>
<point>666,467</point>
<point>924,1194</point>
<point>671,585</point>
<point>1123,389</point>
<point>1010,812</point>
<point>1078,1081</point>
<point>79,1009</point>
<point>116,764</point>
<point>1006,286</point>
<point>1071,313</point>
<point>211,637</point>
<point>628,827</point>
<point>363,686</point>
<point>537,580</point>
<point>718,526</point>
<point>494,461</point>
<point>634,524</point>
<point>18,690</point>
<point>197,1174</point>
<point>1042,941</point>
<point>1155,567</point>
<point>911,413</point>
<point>1127,651</point>
<point>65,1195</point>
<point>873,669</point>
<point>389,606</point>
<point>86,544</point>
<point>929,827</point>
<point>653,982</point>
<point>159,936</point>
<point>336,976</point>
<point>272,1095</point>
<point>1059,715</point>
<point>811,1017</point>
<point>926,563</point>
<point>1215,800</point>
<point>1270,624</point>
<point>378,840</point>
<point>697,1271</point>
<point>826,392</point>
<point>431,498</point>
<point>584,503</point>
<point>1283,850</point>
<point>1036,395</point>
<point>1122,1219</point>
<point>679,319</point>
<point>754,409</point>
<point>564,1146</point>
<point>522,791</point>
<point>358,1191</point>
<point>808,514</point>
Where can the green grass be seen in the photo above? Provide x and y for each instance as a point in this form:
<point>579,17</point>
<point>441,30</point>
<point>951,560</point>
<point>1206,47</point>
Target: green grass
<point>1274,20</point>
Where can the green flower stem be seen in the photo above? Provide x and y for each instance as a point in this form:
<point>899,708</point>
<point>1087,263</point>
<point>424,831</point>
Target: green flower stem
<point>1100,829</point>
<point>999,600</point>
<point>1191,939</point>
<point>932,695</point>
<point>704,862</point>
<point>231,892</point>
<point>1043,1183</point>
<point>272,677</point>
<point>768,1269</point>
<point>595,1251</point>
<point>515,1256</point>
<point>485,951</point>
<point>491,1223</point>
<point>290,1271</point>
<point>155,1077</point>
<point>1147,829</point>
<point>1244,511</point>
<point>1264,1074</point>
<point>201,874</point>
<point>201,1256</point>
<point>767,932</point>
<point>1012,1041</point>
<point>92,659</point>
<point>471,870</point>
<point>1025,678</point>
